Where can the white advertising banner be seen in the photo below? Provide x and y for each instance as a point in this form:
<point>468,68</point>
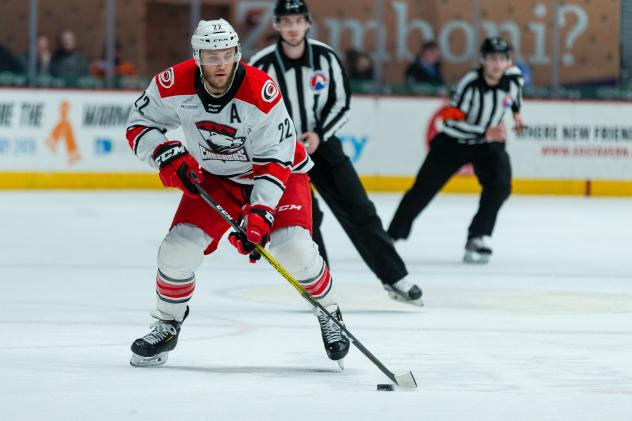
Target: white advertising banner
<point>84,131</point>
<point>574,140</point>
<point>564,140</point>
<point>65,131</point>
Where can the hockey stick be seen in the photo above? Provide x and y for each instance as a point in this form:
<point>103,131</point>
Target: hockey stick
<point>406,380</point>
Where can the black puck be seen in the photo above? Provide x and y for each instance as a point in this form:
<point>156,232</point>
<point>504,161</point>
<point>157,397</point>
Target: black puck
<point>385,387</point>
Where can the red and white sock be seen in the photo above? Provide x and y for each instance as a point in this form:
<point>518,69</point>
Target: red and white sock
<point>319,285</point>
<point>294,248</point>
<point>174,291</point>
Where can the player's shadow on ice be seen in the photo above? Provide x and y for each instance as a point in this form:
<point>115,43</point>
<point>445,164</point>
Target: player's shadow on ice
<point>359,311</point>
<point>272,371</point>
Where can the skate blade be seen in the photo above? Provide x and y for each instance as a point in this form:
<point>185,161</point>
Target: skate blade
<point>395,296</point>
<point>406,381</point>
<point>476,258</point>
<point>155,361</point>
<point>341,363</point>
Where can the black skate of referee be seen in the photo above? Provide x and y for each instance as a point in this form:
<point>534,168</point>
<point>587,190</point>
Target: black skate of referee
<point>473,133</point>
<point>316,92</point>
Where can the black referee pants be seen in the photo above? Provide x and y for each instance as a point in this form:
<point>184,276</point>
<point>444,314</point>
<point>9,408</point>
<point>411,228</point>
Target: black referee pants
<point>446,156</point>
<point>338,184</point>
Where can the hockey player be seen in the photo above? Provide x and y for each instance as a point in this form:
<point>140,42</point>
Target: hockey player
<point>240,142</point>
<point>474,132</point>
<point>316,92</point>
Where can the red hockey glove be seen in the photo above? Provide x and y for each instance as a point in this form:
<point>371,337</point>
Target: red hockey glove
<point>176,164</point>
<point>257,222</point>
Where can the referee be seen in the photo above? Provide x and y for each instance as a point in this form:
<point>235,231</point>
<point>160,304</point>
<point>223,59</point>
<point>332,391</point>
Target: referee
<point>473,133</point>
<point>316,92</point>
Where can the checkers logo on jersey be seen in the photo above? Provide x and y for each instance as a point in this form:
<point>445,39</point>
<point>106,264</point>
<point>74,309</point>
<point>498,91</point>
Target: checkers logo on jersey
<point>167,78</point>
<point>269,92</point>
<point>221,139</point>
<point>319,81</point>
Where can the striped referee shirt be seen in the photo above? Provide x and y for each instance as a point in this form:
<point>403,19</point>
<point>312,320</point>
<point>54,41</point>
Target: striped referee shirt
<point>315,87</point>
<point>484,106</point>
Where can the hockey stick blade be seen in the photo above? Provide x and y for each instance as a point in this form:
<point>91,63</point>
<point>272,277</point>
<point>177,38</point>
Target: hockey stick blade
<point>406,380</point>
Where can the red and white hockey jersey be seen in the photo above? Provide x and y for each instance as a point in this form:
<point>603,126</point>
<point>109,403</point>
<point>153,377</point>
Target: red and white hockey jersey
<point>245,135</point>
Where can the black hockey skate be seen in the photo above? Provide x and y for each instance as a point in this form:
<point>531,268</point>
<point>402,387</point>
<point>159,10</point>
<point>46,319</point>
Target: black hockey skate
<point>152,350</point>
<point>477,250</point>
<point>405,291</point>
<point>335,340</point>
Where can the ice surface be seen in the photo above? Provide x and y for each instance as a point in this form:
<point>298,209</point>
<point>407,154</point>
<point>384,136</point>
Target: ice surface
<point>544,332</point>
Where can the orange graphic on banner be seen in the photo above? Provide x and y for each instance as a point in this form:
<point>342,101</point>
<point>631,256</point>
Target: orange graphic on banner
<point>63,129</point>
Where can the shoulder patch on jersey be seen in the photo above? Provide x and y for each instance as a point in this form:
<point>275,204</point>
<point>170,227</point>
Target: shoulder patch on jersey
<point>269,91</point>
<point>258,89</point>
<point>177,80</point>
<point>166,79</point>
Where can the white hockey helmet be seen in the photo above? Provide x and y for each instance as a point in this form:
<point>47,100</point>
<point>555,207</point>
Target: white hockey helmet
<point>215,34</point>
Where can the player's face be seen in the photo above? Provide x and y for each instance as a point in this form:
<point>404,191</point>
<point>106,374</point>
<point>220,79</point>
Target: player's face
<point>217,67</point>
<point>495,64</point>
<point>292,29</point>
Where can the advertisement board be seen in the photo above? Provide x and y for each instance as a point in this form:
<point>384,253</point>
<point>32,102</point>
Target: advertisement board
<point>60,133</point>
<point>65,131</point>
<point>563,139</point>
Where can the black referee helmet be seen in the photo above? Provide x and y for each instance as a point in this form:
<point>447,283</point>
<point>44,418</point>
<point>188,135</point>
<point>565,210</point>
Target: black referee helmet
<point>495,45</point>
<point>291,7</point>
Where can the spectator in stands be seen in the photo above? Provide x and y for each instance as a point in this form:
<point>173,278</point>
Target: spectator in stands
<point>359,65</point>
<point>426,68</point>
<point>66,61</point>
<point>43,56</point>
<point>8,61</point>
<point>121,68</point>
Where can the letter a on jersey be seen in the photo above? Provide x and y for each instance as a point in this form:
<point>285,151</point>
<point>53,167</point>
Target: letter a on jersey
<point>234,115</point>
